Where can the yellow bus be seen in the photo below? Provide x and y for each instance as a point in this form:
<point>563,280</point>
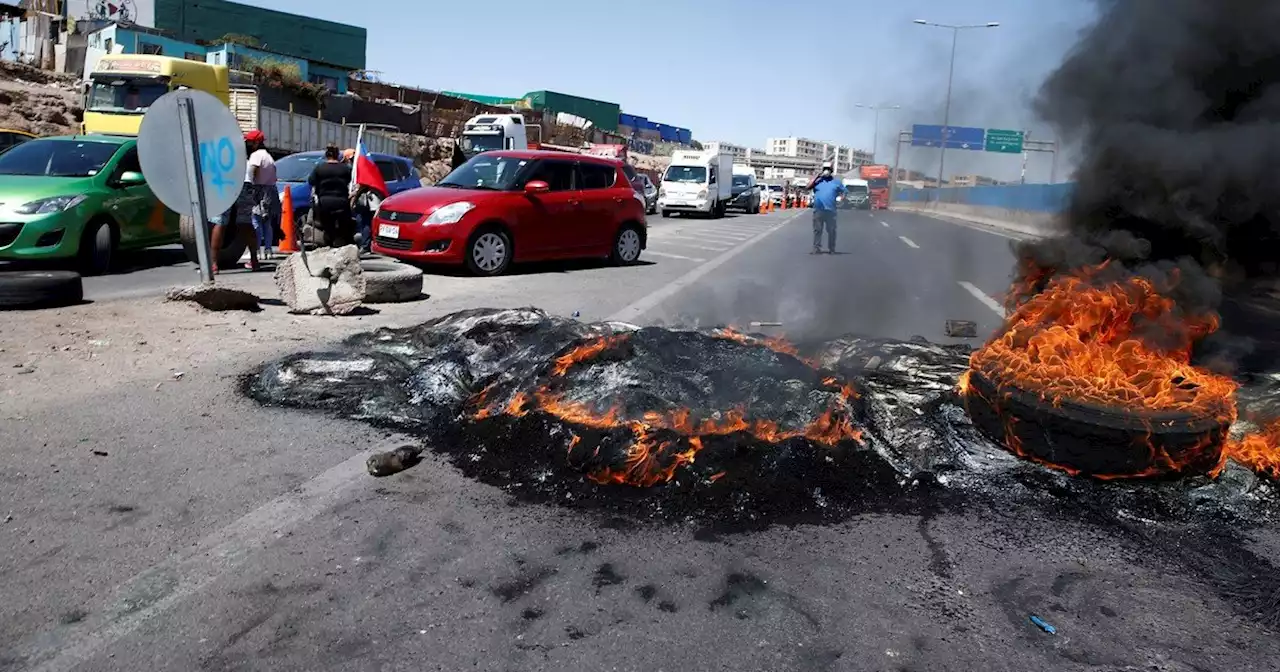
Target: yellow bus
<point>122,86</point>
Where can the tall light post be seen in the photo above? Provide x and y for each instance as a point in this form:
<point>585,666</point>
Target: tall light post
<point>875,139</point>
<point>946,115</point>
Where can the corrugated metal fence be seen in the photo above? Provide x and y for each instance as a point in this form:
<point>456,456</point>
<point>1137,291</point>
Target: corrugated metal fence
<point>1041,198</point>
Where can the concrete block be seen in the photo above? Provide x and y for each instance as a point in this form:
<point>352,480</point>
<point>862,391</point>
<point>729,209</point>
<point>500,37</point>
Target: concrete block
<point>325,281</point>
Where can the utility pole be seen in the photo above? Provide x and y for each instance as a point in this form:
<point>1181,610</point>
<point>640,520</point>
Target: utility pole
<point>951,71</point>
<point>875,137</point>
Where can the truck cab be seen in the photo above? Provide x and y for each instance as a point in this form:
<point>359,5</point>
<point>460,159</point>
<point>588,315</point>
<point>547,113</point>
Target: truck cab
<point>490,132</point>
<point>122,87</point>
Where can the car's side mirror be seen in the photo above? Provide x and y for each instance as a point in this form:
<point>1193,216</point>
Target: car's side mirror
<point>131,178</point>
<point>536,187</point>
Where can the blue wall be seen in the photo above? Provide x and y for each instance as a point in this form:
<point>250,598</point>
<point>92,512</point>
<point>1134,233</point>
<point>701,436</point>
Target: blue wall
<point>1043,198</point>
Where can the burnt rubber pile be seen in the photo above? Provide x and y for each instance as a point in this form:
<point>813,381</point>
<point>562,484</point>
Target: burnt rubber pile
<point>713,425</point>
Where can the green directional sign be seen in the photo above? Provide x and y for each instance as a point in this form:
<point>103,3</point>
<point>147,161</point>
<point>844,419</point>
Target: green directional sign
<point>1005,142</point>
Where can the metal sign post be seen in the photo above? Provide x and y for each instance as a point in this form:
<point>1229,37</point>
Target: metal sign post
<point>195,184</point>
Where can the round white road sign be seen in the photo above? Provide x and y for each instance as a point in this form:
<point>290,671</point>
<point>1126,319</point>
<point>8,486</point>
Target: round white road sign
<point>221,152</point>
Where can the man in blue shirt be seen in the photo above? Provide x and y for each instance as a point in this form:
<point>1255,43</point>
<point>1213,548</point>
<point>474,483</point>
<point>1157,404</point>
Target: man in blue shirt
<point>826,188</point>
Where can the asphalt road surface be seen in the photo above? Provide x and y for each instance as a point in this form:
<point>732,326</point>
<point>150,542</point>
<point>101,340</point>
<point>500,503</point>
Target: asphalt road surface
<point>207,533</point>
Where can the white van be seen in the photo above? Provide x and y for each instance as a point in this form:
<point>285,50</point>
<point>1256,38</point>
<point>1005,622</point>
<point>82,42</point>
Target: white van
<point>697,182</point>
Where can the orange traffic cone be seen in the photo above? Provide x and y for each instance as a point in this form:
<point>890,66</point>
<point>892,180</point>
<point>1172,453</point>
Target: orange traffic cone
<point>289,244</point>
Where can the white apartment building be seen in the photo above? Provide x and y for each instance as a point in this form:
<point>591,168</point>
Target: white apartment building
<point>738,151</point>
<point>844,158</point>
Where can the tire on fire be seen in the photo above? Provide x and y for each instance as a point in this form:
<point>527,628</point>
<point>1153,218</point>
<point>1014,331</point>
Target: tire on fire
<point>1094,440</point>
<point>40,289</point>
<point>390,282</point>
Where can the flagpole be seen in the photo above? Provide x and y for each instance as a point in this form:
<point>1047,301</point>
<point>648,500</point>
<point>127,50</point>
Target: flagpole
<point>355,161</point>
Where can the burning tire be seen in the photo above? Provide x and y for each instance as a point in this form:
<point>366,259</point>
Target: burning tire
<point>1091,440</point>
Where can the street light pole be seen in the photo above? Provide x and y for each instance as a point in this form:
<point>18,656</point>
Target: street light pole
<point>951,71</point>
<point>875,138</point>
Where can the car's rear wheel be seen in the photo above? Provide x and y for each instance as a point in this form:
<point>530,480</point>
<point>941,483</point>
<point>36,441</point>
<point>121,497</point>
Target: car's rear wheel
<point>666,214</point>
<point>626,245</point>
<point>489,252</point>
<point>97,247</point>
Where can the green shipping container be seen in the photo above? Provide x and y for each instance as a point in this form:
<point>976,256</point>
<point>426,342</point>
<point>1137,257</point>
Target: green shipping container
<point>327,42</point>
<point>496,101</point>
<point>603,115</point>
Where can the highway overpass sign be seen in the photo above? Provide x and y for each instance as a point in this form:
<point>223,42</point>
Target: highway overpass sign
<point>951,137</point>
<point>1005,142</point>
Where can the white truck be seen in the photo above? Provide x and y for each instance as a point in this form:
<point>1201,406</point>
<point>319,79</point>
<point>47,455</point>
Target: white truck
<point>489,132</point>
<point>697,182</point>
<point>289,133</point>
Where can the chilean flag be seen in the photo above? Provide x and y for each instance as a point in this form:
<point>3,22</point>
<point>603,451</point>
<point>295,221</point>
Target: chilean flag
<point>364,173</point>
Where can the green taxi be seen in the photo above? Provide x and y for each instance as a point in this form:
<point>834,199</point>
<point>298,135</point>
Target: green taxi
<point>78,199</point>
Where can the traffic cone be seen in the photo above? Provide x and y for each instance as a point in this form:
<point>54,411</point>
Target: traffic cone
<point>289,244</point>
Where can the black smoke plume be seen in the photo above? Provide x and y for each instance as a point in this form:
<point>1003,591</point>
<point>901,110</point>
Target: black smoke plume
<point>1175,106</point>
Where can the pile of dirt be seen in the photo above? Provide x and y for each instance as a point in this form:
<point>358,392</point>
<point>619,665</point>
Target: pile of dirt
<point>39,101</point>
<point>431,155</point>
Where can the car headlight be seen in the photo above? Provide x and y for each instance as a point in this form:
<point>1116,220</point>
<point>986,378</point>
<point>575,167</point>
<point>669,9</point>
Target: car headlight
<point>702,194</point>
<point>450,214</point>
<point>45,206</point>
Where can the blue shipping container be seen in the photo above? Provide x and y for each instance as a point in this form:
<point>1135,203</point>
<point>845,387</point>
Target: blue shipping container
<point>650,125</point>
<point>668,133</point>
<point>625,119</point>
<point>685,135</point>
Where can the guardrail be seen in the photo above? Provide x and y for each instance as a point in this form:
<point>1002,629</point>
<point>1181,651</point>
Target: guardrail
<point>1028,209</point>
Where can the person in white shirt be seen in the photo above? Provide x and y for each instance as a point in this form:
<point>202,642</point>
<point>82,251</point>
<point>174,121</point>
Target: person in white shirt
<point>260,173</point>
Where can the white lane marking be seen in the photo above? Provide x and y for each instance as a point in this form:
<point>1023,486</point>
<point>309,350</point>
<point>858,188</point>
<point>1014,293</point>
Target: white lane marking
<point>671,256</point>
<point>983,297</point>
<point>186,573</point>
<point>939,217</point>
<point>644,305</point>
<point>736,235</point>
<point>909,242</point>
<point>682,243</point>
<point>709,238</point>
<point>884,224</point>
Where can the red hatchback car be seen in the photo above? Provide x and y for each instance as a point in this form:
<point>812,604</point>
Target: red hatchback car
<point>515,206</point>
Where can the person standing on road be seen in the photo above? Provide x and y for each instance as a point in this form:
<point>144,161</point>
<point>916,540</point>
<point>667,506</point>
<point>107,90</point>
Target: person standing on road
<point>826,189</point>
<point>260,171</point>
<point>331,194</point>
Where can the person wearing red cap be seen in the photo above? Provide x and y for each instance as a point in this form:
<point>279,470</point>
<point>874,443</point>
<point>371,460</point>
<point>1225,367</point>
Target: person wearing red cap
<point>260,171</point>
<point>240,218</point>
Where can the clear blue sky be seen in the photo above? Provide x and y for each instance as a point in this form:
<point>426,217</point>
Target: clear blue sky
<point>768,71</point>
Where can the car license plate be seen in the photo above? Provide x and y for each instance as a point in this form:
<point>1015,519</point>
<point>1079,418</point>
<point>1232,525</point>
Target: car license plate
<point>388,231</point>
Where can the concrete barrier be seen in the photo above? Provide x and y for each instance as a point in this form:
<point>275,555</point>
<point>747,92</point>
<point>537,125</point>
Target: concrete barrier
<point>1024,210</point>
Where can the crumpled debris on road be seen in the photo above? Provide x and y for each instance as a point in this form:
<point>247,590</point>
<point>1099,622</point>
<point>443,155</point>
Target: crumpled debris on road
<point>708,423</point>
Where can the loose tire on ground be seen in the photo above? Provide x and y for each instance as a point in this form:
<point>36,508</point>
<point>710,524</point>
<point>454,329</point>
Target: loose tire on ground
<point>232,246</point>
<point>490,239</point>
<point>40,289</point>
<point>390,282</point>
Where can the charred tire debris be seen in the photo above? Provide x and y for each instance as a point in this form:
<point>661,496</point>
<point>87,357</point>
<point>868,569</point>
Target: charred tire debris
<point>488,388</point>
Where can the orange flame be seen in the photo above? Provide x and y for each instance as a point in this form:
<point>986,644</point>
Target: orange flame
<point>1119,344</point>
<point>651,460</point>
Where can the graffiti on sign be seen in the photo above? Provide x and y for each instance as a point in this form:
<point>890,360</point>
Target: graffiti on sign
<point>217,159</point>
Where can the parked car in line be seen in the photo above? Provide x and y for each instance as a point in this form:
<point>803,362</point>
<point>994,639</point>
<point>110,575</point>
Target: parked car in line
<point>10,137</point>
<point>79,199</point>
<point>512,206</point>
<point>292,172</point>
<point>776,193</point>
<point>650,196</point>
